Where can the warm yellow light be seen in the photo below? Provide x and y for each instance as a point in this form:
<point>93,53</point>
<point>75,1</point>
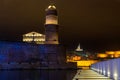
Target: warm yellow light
<point>38,35</point>
<point>85,63</point>
<point>75,58</point>
<point>51,7</point>
<point>51,22</point>
<point>51,19</point>
<point>110,52</point>
<point>117,55</point>
<point>34,36</point>
<point>102,55</point>
<point>117,52</point>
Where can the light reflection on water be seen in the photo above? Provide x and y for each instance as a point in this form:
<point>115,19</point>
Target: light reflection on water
<point>37,74</point>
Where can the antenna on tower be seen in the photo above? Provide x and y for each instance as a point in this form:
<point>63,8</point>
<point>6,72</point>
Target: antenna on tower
<point>52,2</point>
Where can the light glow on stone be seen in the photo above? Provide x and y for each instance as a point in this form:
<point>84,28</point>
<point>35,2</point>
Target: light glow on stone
<point>51,19</point>
<point>51,6</point>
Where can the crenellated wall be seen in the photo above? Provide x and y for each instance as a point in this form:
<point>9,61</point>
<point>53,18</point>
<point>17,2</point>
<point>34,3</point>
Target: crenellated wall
<point>17,52</point>
<point>110,68</point>
<point>26,55</point>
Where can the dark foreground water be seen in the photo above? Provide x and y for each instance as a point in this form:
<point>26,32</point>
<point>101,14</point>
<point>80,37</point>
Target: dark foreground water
<point>37,74</point>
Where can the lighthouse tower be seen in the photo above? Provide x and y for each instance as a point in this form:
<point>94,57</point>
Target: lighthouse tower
<point>51,25</point>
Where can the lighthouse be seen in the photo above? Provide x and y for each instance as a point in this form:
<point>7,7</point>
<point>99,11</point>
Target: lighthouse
<point>51,25</point>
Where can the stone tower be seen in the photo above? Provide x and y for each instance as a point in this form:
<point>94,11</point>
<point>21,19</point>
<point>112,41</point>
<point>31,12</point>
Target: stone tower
<point>51,25</point>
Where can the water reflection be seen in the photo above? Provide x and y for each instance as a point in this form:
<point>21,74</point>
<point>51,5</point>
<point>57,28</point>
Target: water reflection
<point>37,75</point>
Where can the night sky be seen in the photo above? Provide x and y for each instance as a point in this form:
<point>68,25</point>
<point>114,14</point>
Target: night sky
<point>95,24</point>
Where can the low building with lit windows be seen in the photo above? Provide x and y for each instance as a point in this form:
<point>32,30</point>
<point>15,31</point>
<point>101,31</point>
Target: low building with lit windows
<point>34,37</point>
<point>109,55</point>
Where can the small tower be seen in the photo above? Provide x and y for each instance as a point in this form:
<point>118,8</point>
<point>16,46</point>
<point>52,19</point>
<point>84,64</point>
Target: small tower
<point>78,48</point>
<point>51,25</point>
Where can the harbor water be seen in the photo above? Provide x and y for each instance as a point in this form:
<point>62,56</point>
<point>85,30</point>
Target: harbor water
<point>37,74</point>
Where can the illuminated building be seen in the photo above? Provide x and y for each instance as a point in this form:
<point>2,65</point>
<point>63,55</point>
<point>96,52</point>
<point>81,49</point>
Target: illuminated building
<point>34,37</point>
<point>76,55</point>
<point>109,55</point>
<point>51,29</point>
<point>51,25</point>
<point>102,55</point>
<point>78,48</point>
<point>80,52</point>
<point>48,55</point>
<point>117,54</point>
<point>81,57</point>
